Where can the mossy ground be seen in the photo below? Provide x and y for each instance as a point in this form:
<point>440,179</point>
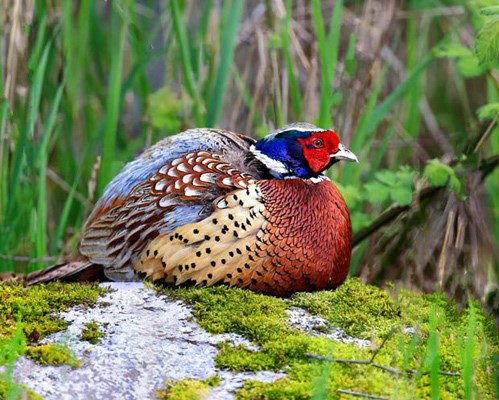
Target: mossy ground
<point>29,314</point>
<point>439,339</point>
<point>430,336</point>
<point>91,332</point>
<point>187,389</point>
<point>52,354</point>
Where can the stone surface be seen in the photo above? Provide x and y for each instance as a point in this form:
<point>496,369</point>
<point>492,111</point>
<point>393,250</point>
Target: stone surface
<point>315,325</point>
<point>148,339</point>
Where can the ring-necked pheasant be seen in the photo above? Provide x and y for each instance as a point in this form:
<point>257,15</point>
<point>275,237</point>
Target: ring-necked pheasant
<point>209,205</point>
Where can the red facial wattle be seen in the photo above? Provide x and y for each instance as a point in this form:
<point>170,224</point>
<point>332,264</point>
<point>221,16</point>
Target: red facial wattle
<point>318,148</point>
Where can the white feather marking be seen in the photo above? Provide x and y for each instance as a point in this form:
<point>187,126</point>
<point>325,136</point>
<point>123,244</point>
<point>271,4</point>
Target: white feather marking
<point>274,166</point>
<point>319,179</point>
<point>187,178</point>
<point>227,181</point>
<point>177,185</point>
<point>182,168</point>
<point>172,172</point>
<point>176,161</point>
<point>208,178</point>
<point>198,168</point>
<point>163,169</point>
<point>160,185</point>
<point>191,192</point>
<point>222,204</point>
<point>165,201</point>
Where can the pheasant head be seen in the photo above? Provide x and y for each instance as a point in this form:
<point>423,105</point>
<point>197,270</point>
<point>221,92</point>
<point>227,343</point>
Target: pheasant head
<point>300,151</point>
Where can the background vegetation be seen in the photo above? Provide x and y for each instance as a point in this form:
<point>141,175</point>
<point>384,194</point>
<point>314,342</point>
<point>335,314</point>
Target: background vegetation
<point>411,86</point>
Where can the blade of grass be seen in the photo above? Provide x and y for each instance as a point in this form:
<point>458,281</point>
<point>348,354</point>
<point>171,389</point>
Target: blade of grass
<point>231,18</point>
<point>413,119</point>
<point>321,380</point>
<point>360,137</point>
<point>39,44</point>
<point>20,148</point>
<point>113,102</point>
<point>372,117</point>
<point>201,35</point>
<point>247,98</point>
<point>41,210</point>
<point>63,221</point>
<point>4,166</point>
<point>382,109</point>
<point>185,58</point>
<point>383,147</point>
<point>467,350</point>
<point>139,49</point>
<point>432,356</point>
<point>295,92</point>
<point>328,54</point>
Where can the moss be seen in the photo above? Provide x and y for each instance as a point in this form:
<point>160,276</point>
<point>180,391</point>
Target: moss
<point>52,354</point>
<point>283,389</point>
<point>16,391</point>
<point>187,389</point>
<point>91,332</point>
<point>34,306</point>
<point>362,311</point>
<point>28,315</point>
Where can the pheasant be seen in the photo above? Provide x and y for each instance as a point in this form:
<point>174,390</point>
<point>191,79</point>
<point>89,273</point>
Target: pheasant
<point>208,206</point>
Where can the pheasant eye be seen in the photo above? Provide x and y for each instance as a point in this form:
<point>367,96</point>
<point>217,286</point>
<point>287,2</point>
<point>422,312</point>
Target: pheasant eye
<point>318,143</point>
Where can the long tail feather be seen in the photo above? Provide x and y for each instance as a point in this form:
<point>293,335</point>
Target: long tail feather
<point>12,277</point>
<point>80,270</point>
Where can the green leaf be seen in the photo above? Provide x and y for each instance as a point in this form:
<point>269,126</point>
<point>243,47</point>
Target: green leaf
<point>488,11</point>
<point>387,177</point>
<point>452,50</point>
<point>487,41</point>
<point>470,67</point>
<point>405,176</point>
<point>350,193</point>
<point>165,108</point>
<point>401,195</point>
<point>488,111</point>
<point>359,220</point>
<point>439,174</point>
<point>377,192</point>
<point>436,173</point>
<point>481,5</point>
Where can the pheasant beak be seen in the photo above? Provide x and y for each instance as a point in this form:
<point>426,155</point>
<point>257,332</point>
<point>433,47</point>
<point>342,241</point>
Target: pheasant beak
<point>344,154</point>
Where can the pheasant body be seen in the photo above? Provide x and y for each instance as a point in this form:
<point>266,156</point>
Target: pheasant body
<point>209,206</point>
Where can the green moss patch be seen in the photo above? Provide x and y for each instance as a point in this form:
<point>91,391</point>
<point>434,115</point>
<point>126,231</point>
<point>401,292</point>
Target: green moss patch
<point>91,332</point>
<point>362,311</point>
<point>29,314</point>
<point>34,307</point>
<point>53,354</point>
<point>14,391</point>
<point>187,389</point>
<point>430,336</point>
